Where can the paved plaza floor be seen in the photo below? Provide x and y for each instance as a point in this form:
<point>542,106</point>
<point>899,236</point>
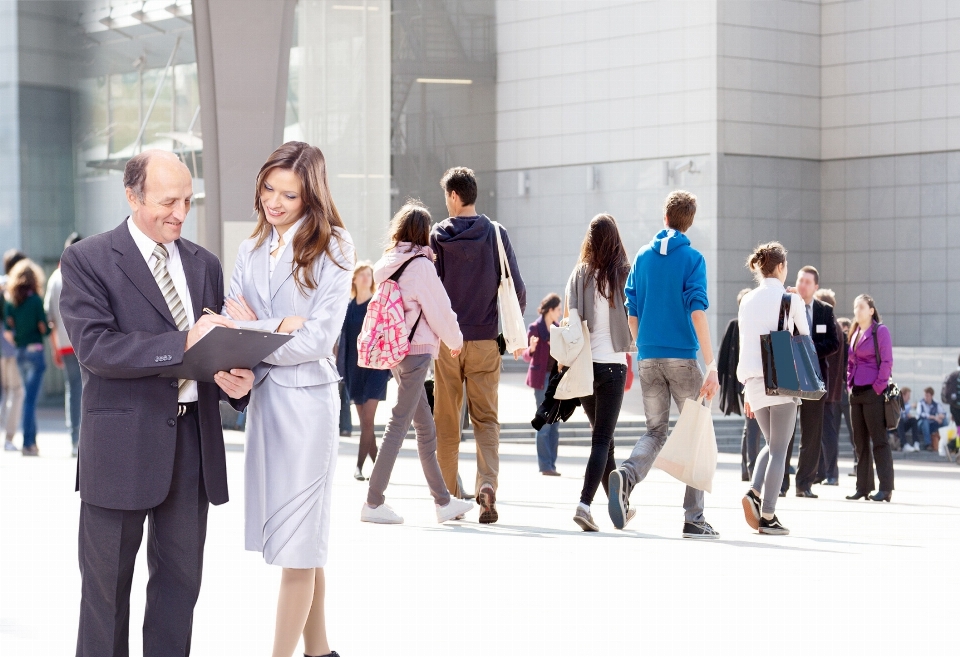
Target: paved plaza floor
<point>853,578</point>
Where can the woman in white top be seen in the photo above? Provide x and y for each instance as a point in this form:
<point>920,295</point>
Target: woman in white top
<point>595,291</point>
<point>293,276</point>
<point>776,415</point>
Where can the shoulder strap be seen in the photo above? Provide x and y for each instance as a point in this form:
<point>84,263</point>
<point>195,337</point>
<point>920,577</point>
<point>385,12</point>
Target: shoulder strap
<point>876,344</point>
<point>785,301</point>
<point>396,275</point>
<point>501,252</point>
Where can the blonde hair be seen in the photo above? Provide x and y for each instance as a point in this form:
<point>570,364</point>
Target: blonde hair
<point>359,267</point>
<point>25,277</point>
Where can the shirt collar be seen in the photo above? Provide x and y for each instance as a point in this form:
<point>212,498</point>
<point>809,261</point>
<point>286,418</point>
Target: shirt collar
<point>144,243</point>
<point>287,237</point>
<point>772,282</point>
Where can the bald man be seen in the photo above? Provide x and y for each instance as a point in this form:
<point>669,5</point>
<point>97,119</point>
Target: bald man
<point>151,448</point>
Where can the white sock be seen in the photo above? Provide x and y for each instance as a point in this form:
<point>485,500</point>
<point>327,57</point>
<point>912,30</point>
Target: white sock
<point>767,516</point>
<point>585,507</point>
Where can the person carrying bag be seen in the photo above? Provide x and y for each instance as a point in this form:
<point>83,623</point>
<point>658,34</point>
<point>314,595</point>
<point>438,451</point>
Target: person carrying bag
<point>771,375</point>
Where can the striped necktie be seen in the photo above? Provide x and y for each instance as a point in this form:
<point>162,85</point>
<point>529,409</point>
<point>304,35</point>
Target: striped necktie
<point>169,292</point>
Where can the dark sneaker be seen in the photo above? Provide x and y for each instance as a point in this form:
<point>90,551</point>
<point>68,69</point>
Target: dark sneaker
<point>488,505</point>
<point>585,520</point>
<point>751,509</point>
<point>773,527</point>
<point>618,501</point>
<point>700,529</point>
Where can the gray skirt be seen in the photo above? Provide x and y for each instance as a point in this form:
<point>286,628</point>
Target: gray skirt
<point>292,440</point>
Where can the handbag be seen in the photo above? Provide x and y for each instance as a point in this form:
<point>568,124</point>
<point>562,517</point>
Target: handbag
<point>790,364</point>
<point>892,399</point>
<point>567,340</point>
<point>577,380</point>
<point>690,453</point>
<point>511,317</point>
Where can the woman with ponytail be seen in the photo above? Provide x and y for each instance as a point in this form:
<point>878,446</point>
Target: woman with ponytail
<point>759,315</point>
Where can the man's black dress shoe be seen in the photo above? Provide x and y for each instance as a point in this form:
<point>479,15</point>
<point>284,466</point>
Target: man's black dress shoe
<point>806,493</point>
<point>882,496</point>
<point>858,495</point>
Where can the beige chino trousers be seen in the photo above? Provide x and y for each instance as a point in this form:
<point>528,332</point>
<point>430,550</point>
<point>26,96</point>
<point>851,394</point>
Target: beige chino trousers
<point>479,366</point>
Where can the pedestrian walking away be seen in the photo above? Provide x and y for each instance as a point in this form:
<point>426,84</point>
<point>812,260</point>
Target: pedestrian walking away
<point>365,387</point>
<point>63,354</point>
<point>666,299</point>
<point>868,373</point>
<point>428,320</point>
<point>468,264</point>
<point>25,324</point>
<point>11,385</point>
<point>826,340</point>
<point>776,415</point>
<point>293,276</point>
<point>595,292</point>
<point>537,354</point>
<point>131,302</point>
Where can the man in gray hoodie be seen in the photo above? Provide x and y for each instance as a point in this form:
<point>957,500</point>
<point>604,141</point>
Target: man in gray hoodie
<point>469,267</point>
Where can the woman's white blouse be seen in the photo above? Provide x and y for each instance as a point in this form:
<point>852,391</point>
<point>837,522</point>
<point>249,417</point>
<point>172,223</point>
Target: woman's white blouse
<point>759,315</point>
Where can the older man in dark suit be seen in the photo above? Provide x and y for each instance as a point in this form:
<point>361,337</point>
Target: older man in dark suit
<point>151,447</point>
<point>826,339</point>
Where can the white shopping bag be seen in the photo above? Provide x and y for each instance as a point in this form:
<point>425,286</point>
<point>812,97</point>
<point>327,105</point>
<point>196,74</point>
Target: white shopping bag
<point>690,453</point>
<point>577,381</point>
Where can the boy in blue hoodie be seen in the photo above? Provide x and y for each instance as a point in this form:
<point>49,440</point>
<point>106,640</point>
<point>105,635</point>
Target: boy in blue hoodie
<point>666,303</point>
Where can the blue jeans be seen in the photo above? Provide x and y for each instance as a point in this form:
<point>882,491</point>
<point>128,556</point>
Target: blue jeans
<point>71,398</point>
<point>32,366</point>
<point>548,440</point>
<point>927,427</point>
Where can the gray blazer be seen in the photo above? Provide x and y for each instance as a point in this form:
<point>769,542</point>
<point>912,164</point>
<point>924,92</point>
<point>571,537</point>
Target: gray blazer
<point>308,359</point>
<point>581,289</point>
<point>124,335</point>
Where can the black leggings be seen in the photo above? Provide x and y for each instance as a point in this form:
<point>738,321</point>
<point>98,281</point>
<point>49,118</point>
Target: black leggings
<point>603,409</point>
<point>870,425</point>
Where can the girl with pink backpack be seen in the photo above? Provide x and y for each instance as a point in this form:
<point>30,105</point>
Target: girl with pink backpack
<point>407,342</point>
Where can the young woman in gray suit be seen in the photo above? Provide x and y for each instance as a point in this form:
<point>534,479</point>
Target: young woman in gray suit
<point>293,276</point>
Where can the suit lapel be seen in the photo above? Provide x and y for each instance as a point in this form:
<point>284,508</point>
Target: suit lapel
<point>260,266</point>
<point>135,267</point>
<point>196,274</point>
<point>282,271</point>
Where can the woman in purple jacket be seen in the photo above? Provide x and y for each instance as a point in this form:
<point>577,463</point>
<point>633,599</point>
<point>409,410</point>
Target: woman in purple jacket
<point>538,376</point>
<point>867,380</point>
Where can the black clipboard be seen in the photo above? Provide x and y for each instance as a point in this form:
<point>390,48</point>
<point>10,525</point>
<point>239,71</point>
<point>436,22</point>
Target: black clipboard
<point>224,349</point>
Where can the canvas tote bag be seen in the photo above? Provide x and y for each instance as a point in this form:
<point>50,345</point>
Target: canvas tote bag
<point>577,380</point>
<point>511,318</point>
<point>690,453</point>
<point>567,340</point>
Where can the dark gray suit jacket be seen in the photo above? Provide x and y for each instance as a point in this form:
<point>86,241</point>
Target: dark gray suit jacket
<point>123,335</point>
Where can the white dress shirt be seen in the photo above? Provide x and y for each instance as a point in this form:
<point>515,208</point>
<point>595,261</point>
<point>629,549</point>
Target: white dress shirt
<point>175,268</point>
<point>759,315</point>
<point>280,248</point>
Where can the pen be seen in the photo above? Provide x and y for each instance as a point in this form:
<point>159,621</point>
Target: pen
<point>207,311</point>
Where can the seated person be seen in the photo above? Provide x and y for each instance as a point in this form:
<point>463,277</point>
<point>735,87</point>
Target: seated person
<point>932,417</point>
<point>908,422</point>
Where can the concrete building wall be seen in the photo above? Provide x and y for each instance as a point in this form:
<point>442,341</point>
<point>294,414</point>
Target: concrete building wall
<point>595,100</point>
<point>9,127</point>
<point>890,142</point>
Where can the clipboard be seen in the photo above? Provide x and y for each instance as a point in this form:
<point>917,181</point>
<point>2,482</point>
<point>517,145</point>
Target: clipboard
<point>224,349</point>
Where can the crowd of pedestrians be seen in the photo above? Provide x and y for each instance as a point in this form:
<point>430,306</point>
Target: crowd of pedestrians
<point>430,308</point>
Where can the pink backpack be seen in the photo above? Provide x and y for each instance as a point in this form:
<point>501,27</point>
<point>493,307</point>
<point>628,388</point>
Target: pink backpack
<point>383,341</point>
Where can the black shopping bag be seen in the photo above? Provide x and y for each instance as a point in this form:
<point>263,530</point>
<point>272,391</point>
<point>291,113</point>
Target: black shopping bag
<point>790,364</point>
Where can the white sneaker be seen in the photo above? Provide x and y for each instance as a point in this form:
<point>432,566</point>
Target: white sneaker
<point>381,515</point>
<point>10,447</point>
<point>908,448</point>
<point>453,509</point>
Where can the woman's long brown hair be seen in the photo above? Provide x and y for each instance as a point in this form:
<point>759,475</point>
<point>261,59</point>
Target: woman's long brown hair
<point>25,278</point>
<point>602,254</point>
<point>320,215</point>
<point>874,314</point>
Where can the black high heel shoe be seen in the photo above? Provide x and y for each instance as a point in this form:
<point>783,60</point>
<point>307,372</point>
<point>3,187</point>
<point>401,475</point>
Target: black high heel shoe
<point>882,496</point>
<point>858,496</point>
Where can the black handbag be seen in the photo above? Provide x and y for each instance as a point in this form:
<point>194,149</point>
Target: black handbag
<point>790,364</point>
<point>892,399</point>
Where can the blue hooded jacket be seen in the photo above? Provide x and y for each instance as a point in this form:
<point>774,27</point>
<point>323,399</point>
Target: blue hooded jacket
<point>667,282</point>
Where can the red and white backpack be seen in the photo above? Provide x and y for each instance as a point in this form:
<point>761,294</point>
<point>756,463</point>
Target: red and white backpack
<point>383,341</point>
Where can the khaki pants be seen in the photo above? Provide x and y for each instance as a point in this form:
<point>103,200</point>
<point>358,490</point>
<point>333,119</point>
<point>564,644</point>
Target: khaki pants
<point>479,365</point>
<point>11,399</point>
